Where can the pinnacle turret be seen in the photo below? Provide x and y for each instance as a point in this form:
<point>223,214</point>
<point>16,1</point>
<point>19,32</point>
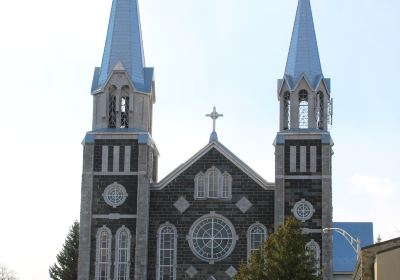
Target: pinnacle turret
<point>124,47</point>
<point>303,58</point>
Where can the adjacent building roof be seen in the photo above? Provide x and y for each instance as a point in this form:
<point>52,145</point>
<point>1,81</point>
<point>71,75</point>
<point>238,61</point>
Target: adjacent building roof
<point>344,257</point>
<point>124,45</point>
<point>303,58</point>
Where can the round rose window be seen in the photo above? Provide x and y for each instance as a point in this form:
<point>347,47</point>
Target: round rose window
<point>212,238</point>
<point>115,195</point>
<point>303,210</point>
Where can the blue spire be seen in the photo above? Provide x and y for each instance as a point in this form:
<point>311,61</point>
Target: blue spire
<point>124,45</point>
<point>303,58</point>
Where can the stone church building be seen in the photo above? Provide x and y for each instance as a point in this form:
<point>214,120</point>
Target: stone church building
<point>208,215</point>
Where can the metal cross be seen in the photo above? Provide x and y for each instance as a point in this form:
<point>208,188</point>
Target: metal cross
<point>214,116</point>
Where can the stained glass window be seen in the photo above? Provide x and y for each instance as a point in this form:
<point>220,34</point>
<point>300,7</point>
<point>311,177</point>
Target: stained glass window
<point>256,235</point>
<point>103,254</point>
<point>122,254</point>
<point>166,264</point>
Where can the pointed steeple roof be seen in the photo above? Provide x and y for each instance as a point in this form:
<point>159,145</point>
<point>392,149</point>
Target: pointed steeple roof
<point>303,58</point>
<point>124,47</point>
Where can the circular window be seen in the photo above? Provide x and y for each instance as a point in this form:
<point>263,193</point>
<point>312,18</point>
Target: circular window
<point>303,210</point>
<point>212,238</point>
<point>115,195</point>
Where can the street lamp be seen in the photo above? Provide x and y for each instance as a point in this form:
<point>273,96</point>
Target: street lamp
<point>354,243</point>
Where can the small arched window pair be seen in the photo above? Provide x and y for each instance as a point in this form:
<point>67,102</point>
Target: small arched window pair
<point>103,254</point>
<point>213,184</point>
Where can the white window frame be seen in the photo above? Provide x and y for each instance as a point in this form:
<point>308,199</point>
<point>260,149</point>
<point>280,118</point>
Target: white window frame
<point>159,233</point>
<point>226,182</point>
<point>222,191</point>
<point>304,110</point>
<point>250,248</point>
<point>117,252</point>
<point>98,244</point>
<point>217,173</point>
<point>200,176</point>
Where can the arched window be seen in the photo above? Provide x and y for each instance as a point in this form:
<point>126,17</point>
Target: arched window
<point>303,109</point>
<point>314,250</point>
<point>226,191</point>
<point>103,254</point>
<point>256,235</point>
<point>125,107</point>
<point>320,110</point>
<point>122,253</point>
<point>213,176</point>
<point>166,253</point>
<point>286,105</point>
<point>200,186</point>
<point>213,184</point>
<point>112,108</point>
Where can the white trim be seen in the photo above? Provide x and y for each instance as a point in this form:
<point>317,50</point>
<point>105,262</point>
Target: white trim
<point>114,216</point>
<point>104,159</point>
<point>128,252</point>
<point>167,224</point>
<point>226,153</point>
<point>127,159</point>
<point>256,224</point>
<point>129,173</point>
<point>213,171</point>
<point>99,232</point>
<point>116,159</point>
<point>227,176</point>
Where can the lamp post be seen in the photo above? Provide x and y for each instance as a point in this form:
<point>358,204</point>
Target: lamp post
<point>354,243</point>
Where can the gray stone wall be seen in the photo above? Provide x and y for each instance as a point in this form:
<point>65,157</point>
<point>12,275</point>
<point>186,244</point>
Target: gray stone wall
<point>96,182</point>
<point>162,210</point>
<point>86,214</point>
<point>113,225</point>
<point>314,186</point>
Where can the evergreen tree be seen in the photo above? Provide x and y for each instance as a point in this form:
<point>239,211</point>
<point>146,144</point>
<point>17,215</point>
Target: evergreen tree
<point>66,267</point>
<point>282,257</point>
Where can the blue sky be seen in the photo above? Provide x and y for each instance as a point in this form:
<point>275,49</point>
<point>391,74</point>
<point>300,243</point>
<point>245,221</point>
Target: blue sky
<point>227,53</point>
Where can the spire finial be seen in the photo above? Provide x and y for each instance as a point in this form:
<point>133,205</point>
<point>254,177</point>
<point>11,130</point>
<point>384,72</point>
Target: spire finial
<point>303,58</point>
<point>214,116</point>
<point>124,47</point>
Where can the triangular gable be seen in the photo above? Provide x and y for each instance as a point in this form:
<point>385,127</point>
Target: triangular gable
<point>227,154</point>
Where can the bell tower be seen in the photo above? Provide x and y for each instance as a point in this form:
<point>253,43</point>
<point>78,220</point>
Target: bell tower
<point>119,156</point>
<point>303,145</point>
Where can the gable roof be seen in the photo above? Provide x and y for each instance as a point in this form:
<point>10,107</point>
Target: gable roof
<point>226,153</point>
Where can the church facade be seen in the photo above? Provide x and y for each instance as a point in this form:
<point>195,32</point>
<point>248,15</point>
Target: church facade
<point>208,215</point>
